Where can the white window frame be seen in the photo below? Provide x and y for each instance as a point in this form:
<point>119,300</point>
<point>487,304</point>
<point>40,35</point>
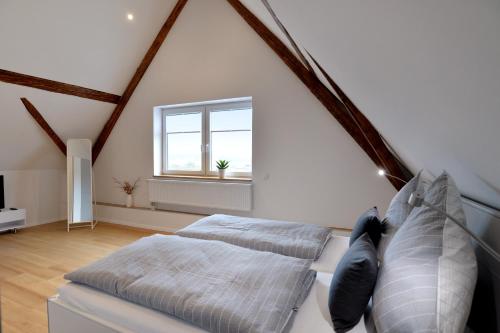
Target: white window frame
<point>205,108</point>
<point>178,111</point>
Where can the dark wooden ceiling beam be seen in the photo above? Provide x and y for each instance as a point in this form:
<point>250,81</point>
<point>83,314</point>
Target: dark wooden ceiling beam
<point>284,30</point>
<point>318,89</point>
<point>44,125</point>
<point>57,87</point>
<point>390,163</point>
<point>134,82</point>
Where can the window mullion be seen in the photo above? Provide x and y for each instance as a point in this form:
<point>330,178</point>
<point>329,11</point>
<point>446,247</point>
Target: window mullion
<point>206,141</point>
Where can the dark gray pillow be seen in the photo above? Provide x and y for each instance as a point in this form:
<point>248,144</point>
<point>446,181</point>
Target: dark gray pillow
<point>370,223</point>
<point>352,284</point>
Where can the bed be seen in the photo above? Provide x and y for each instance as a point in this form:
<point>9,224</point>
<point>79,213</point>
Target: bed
<point>78,308</point>
<point>299,240</point>
<point>82,309</point>
<point>331,255</point>
<point>293,239</point>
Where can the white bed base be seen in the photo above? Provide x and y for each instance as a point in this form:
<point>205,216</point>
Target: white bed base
<point>64,318</point>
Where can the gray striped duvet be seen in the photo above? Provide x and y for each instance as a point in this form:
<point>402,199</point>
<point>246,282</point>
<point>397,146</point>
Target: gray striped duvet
<point>213,285</point>
<point>291,239</point>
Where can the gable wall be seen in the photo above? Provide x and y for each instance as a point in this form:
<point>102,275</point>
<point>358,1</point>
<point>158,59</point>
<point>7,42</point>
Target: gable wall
<point>306,167</point>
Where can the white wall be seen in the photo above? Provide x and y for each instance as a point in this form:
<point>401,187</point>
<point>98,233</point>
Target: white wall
<point>306,167</point>
<point>426,73</point>
<point>41,192</point>
<point>147,219</point>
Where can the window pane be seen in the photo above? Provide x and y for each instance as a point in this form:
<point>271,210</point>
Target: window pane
<point>231,120</point>
<point>188,122</point>
<point>184,151</point>
<point>236,147</point>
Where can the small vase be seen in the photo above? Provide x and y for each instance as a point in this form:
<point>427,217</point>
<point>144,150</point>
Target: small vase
<point>130,201</point>
<point>222,173</point>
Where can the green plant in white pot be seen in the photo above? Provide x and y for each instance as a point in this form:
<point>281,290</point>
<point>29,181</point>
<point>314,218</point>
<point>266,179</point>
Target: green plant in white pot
<point>222,165</point>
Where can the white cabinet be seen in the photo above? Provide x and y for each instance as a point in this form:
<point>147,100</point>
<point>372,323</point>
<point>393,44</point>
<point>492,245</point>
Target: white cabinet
<point>12,219</point>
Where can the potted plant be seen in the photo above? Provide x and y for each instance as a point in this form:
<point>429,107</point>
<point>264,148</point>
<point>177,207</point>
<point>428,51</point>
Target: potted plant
<point>222,165</point>
<point>128,188</point>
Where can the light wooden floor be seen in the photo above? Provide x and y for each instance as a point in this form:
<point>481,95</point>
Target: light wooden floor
<point>33,262</point>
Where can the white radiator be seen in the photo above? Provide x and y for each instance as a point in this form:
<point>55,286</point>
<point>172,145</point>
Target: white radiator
<point>206,194</point>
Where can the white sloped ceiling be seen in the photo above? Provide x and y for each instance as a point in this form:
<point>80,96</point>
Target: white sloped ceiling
<point>88,43</point>
<point>426,73</point>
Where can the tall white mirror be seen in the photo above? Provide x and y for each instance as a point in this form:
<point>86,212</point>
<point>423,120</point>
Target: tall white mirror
<point>79,164</point>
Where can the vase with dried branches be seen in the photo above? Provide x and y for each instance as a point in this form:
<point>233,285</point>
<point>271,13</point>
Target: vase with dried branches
<point>129,189</point>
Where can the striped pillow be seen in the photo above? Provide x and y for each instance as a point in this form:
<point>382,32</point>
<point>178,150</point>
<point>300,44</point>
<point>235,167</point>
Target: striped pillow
<point>398,212</point>
<point>427,279</point>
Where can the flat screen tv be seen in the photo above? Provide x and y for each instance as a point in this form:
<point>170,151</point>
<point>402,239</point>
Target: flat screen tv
<point>2,197</point>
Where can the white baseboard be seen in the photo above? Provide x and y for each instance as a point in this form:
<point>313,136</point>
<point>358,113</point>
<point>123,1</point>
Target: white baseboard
<point>46,221</point>
<point>137,225</point>
<point>145,218</point>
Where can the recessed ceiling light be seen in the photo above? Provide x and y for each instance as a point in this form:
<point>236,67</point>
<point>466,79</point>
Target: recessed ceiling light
<point>130,17</point>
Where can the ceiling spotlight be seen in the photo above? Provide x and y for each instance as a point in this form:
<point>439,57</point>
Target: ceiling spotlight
<point>130,17</point>
<point>382,173</point>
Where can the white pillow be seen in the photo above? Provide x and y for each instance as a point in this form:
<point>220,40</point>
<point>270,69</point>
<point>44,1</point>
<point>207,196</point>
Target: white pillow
<point>426,281</point>
<point>398,212</point>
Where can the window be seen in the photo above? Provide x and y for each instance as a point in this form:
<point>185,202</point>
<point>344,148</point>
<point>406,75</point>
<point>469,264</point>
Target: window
<point>196,136</point>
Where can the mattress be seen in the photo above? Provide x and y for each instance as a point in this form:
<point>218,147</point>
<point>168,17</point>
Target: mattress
<point>313,315</point>
<point>331,255</point>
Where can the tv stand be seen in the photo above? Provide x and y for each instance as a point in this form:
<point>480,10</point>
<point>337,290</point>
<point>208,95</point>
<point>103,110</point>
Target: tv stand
<point>12,219</point>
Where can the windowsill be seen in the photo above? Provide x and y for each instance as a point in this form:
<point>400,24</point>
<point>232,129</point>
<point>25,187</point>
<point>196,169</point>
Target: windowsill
<point>205,178</point>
